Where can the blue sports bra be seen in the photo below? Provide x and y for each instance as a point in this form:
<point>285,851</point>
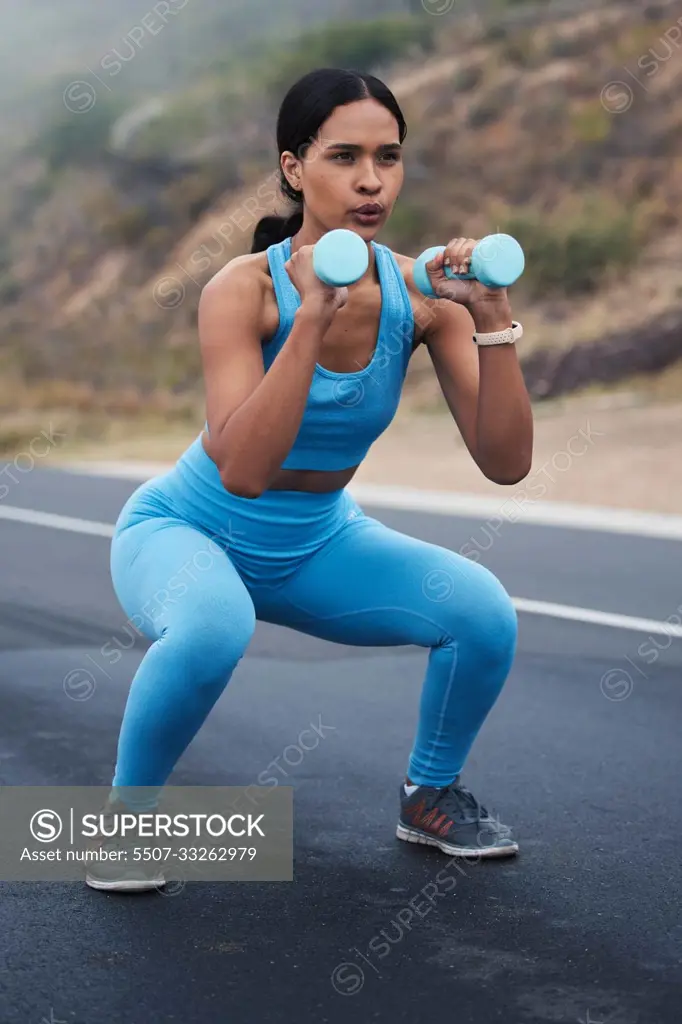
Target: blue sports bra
<point>346,412</point>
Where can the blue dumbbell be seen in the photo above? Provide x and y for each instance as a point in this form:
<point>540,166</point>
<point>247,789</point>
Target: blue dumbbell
<point>340,258</point>
<point>496,261</point>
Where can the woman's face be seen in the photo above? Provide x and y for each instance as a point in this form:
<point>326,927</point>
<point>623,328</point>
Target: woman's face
<point>351,175</point>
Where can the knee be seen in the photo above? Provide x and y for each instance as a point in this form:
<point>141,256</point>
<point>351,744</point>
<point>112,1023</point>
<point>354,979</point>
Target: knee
<point>485,618</point>
<point>209,646</point>
<point>500,623</point>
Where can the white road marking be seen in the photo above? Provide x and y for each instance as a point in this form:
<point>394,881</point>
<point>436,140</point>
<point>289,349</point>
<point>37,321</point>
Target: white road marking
<point>499,511</point>
<point>598,618</point>
<point>452,503</point>
<point>55,522</point>
<point>139,471</point>
<point>31,517</point>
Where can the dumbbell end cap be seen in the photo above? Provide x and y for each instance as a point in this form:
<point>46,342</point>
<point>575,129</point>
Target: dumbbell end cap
<point>340,258</point>
<point>499,260</point>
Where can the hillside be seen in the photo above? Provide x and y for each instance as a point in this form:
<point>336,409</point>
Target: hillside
<point>160,46</point>
<point>114,225</point>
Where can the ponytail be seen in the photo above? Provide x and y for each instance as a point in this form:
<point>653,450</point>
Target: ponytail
<point>272,229</point>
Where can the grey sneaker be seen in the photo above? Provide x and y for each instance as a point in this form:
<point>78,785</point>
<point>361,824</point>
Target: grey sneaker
<point>119,871</point>
<point>451,819</point>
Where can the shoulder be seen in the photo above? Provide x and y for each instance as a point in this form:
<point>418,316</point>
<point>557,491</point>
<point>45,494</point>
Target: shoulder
<point>248,277</point>
<point>405,265</point>
<point>250,271</point>
<point>430,315</point>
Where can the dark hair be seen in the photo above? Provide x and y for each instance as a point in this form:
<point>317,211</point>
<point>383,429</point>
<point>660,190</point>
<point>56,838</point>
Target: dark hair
<point>305,108</point>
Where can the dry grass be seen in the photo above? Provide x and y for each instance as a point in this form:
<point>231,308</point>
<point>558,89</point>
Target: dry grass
<point>129,354</point>
<point>627,443</point>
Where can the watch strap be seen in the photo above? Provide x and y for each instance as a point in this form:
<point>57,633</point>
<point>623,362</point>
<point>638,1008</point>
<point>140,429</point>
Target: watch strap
<point>508,336</point>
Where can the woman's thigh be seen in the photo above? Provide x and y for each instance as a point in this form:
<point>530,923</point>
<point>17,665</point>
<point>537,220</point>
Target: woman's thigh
<point>374,586</point>
<point>167,574</point>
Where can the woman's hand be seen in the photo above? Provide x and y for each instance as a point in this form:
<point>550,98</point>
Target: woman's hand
<point>457,256</point>
<point>313,291</point>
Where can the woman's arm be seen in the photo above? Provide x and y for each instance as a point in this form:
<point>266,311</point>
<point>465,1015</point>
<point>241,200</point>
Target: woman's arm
<point>253,416</point>
<point>483,387</point>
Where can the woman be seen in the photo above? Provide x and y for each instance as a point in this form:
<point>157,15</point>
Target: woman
<point>300,379</point>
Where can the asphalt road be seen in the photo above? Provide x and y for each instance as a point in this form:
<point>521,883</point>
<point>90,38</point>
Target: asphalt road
<point>584,925</point>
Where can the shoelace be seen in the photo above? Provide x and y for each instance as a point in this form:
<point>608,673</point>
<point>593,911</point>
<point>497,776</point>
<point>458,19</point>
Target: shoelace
<point>115,842</point>
<point>459,796</point>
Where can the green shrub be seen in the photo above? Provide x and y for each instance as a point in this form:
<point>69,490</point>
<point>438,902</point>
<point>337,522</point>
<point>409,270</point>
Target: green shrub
<point>570,254</point>
<point>495,33</point>
<point>635,41</point>
<point>76,138</point>
<point>35,193</point>
<point>129,226</point>
<point>483,114</point>
<point>10,290</point>
<point>562,47</point>
<point>591,123</point>
<point>407,225</point>
<point>468,78</point>
<point>491,107</point>
<point>522,51</point>
<point>355,44</point>
<point>184,123</point>
<point>192,194</point>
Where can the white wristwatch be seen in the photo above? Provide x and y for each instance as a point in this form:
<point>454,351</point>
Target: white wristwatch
<point>506,337</point>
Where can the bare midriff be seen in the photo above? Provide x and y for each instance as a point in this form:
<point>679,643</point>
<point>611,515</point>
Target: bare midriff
<point>318,481</point>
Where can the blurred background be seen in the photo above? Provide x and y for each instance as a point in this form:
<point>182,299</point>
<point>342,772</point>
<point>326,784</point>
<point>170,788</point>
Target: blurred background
<point>138,152</point>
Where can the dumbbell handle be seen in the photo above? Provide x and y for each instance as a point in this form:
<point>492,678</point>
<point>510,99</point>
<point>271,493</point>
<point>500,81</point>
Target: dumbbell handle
<point>496,261</point>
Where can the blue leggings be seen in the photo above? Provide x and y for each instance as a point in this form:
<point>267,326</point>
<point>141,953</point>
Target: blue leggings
<point>187,580</point>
